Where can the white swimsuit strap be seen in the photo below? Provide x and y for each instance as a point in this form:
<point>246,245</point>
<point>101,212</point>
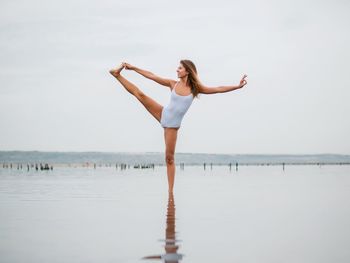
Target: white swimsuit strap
<point>175,85</point>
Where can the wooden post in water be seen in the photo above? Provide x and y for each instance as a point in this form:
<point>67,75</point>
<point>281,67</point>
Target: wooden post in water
<point>182,166</point>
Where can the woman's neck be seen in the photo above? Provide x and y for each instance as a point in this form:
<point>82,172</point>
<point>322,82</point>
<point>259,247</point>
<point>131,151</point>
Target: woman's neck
<point>183,81</point>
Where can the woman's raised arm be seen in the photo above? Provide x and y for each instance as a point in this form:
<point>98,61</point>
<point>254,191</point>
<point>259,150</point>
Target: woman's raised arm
<point>221,89</point>
<point>150,75</point>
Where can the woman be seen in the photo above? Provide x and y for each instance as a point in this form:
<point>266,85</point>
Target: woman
<point>182,94</point>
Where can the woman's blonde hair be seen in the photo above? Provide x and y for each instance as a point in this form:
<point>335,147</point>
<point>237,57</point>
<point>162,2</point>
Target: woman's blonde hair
<point>192,78</point>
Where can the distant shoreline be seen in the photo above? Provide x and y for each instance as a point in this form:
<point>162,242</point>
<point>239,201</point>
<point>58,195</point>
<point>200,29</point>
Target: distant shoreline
<point>106,159</point>
<point>121,152</point>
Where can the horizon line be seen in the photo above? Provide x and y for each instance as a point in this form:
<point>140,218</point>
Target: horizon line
<point>151,152</point>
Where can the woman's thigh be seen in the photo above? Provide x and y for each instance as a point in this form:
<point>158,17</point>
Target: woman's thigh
<point>151,105</point>
<point>170,136</point>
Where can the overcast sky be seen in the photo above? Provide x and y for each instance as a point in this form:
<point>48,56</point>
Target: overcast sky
<point>56,93</point>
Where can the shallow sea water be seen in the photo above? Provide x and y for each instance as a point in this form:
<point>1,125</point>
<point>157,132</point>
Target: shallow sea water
<point>255,214</point>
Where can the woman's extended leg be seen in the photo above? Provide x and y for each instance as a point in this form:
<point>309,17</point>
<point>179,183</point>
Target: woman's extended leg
<point>170,136</point>
<point>151,105</point>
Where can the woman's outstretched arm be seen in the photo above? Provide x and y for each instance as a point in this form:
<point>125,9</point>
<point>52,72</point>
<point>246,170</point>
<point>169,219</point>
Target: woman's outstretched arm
<point>221,89</point>
<point>150,75</point>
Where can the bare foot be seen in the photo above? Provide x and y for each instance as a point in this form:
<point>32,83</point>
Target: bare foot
<point>116,72</point>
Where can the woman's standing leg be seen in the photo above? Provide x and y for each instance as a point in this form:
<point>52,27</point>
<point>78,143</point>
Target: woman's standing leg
<point>170,136</point>
<point>151,105</point>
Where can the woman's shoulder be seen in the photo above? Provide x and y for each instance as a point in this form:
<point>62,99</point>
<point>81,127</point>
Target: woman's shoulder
<point>173,83</point>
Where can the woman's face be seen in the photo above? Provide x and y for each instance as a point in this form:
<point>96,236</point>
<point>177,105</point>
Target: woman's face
<point>181,71</point>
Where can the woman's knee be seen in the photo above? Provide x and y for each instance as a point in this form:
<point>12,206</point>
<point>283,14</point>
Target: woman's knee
<point>169,158</point>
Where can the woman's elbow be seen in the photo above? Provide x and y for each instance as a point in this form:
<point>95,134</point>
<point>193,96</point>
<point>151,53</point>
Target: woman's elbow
<point>209,91</point>
<point>214,90</point>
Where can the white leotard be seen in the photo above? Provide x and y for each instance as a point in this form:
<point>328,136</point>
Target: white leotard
<point>173,113</point>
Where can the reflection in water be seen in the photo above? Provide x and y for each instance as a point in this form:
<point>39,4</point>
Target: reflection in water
<point>171,255</point>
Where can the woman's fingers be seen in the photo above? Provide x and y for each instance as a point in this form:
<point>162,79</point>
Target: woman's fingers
<point>243,81</point>
<point>126,65</point>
